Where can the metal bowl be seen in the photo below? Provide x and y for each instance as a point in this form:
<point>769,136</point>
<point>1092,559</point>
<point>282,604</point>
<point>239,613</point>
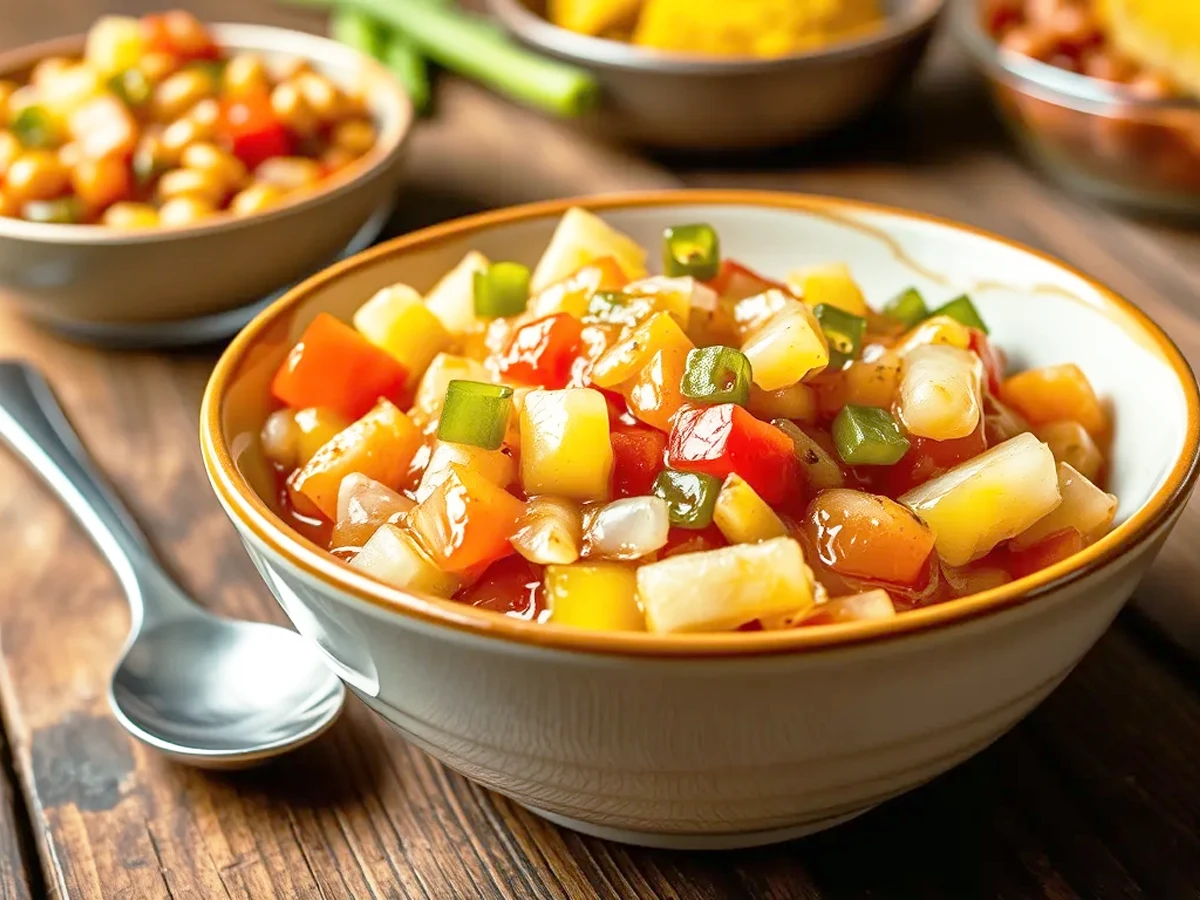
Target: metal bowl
<point>694,102</point>
<point>173,286</point>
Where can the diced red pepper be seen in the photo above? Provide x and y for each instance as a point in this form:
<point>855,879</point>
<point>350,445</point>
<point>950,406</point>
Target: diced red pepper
<point>180,34</point>
<point>719,440</point>
<point>1051,549</point>
<point>637,459</point>
<point>513,586</point>
<point>251,131</point>
<point>992,358</point>
<point>734,281</point>
<point>542,352</point>
<point>334,366</point>
<point>688,540</point>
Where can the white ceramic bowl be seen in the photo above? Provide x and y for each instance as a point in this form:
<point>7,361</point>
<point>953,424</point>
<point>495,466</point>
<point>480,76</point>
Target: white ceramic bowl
<point>699,741</point>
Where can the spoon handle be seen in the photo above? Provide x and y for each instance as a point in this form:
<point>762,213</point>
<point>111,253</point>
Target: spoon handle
<point>34,425</point>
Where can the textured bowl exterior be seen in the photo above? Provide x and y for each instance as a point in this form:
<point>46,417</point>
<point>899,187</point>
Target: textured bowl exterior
<point>715,105</point>
<point>705,753</point>
<point>87,277</point>
<point>706,741</point>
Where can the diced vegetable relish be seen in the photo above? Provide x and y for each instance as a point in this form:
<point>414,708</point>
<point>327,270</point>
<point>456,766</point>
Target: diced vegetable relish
<point>159,126</point>
<point>632,471</point>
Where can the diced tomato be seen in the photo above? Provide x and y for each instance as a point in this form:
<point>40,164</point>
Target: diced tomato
<point>180,34</point>
<point>687,540</point>
<point>719,440</point>
<point>251,131</point>
<point>868,536</point>
<point>926,459</point>
<point>1046,552</point>
<point>992,358</point>
<point>734,281</point>
<point>512,586</point>
<point>334,366</point>
<point>637,459</point>
<point>542,352</point>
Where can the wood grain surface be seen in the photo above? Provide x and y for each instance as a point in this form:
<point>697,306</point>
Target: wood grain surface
<point>1097,794</point>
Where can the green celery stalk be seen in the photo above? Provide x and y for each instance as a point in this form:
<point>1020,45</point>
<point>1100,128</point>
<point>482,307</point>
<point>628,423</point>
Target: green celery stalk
<point>358,30</point>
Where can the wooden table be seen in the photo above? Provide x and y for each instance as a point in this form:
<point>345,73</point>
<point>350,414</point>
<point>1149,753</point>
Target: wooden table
<point>1097,794</point>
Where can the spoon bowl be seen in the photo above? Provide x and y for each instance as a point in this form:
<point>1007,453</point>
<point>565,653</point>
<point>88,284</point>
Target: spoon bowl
<point>209,691</point>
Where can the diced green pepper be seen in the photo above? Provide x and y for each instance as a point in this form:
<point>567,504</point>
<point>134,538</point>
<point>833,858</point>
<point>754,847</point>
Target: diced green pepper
<point>908,307</point>
<point>691,250</point>
<point>691,497</point>
<point>35,128</point>
<point>502,289</point>
<point>716,375</point>
<point>961,309</point>
<point>844,331</point>
<point>868,436</point>
<point>475,413</point>
<point>61,211</point>
<point>132,86</point>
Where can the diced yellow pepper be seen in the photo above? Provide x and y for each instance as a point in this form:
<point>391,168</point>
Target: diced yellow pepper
<point>453,298</point>
<point>743,516</point>
<point>789,347</point>
<point>580,238</point>
<point>595,17</point>
<point>398,320</point>
<point>718,590</point>
<point>832,285</point>
<point>627,357</point>
<point>431,393</point>
<point>799,401</point>
<point>565,445</point>
<point>602,596</point>
<point>936,330</point>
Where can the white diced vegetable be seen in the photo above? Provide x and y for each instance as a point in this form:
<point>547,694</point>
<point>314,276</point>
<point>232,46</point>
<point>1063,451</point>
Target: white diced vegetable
<point>363,505</point>
<point>580,238</point>
<point>787,348</point>
<point>497,466</point>
<point>627,529</point>
<point>393,557</point>
<point>718,590</point>
<point>941,394</point>
<point>987,499</point>
<point>565,445</point>
<point>1084,507</point>
<point>550,532</point>
<point>453,298</point>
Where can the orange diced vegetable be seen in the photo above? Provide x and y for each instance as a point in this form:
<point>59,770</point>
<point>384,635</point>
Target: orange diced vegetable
<point>653,395</point>
<point>868,536</point>
<point>334,366</point>
<point>1055,392</point>
<point>467,521</point>
<point>379,445</point>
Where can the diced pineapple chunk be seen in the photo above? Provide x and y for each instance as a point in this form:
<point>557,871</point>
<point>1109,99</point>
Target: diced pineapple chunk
<point>642,299</point>
<point>718,590</point>
<point>398,320</point>
<point>629,356</point>
<point>743,516</point>
<point>497,466</point>
<point>941,392</point>
<point>380,445</point>
<point>1084,507</point>
<point>864,607</point>
<point>936,330</point>
<point>601,596</point>
<point>393,557</point>
<point>987,499</point>
<point>363,505</point>
<point>431,393</point>
<point>751,313</point>
<point>453,298</point>
<point>580,238</point>
<point>573,294</point>
<point>565,445</point>
<point>832,285</point>
<point>114,44</point>
<point>786,348</point>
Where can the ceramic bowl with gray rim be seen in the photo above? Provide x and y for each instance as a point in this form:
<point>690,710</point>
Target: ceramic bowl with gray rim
<point>174,286</point>
<point>680,101</point>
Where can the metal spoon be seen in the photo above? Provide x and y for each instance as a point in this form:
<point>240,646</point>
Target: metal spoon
<point>208,691</point>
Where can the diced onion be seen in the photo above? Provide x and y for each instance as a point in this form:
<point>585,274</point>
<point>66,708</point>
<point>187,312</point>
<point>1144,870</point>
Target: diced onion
<point>393,557</point>
<point>280,438</point>
<point>1084,507</point>
<point>627,529</point>
<point>364,504</point>
<point>550,532</point>
<point>940,392</point>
